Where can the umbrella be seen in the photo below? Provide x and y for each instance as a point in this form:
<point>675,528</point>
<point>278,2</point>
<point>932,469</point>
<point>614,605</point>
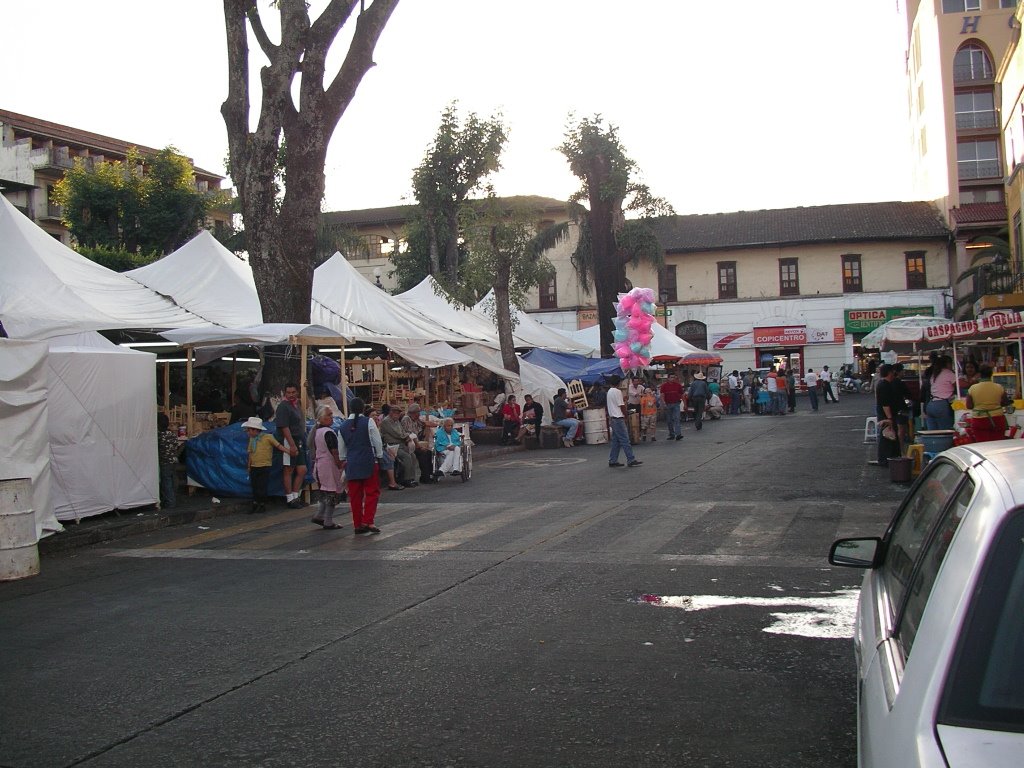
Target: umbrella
<point>902,330</point>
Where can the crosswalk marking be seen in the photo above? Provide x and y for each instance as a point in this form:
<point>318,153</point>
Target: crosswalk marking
<point>598,531</point>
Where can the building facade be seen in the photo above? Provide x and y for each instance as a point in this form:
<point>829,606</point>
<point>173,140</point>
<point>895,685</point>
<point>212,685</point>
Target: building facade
<point>35,154</point>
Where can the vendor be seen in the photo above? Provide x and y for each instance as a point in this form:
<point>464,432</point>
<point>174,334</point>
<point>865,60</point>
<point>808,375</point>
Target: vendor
<point>986,400</point>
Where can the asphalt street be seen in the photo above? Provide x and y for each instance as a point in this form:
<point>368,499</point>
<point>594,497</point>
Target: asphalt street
<point>552,611</point>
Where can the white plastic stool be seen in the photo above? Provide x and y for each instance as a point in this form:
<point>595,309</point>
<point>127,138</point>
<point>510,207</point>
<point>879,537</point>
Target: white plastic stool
<point>871,429</point>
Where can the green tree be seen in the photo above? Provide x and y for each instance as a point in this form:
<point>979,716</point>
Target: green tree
<point>456,165</point>
<point>298,111</point>
<point>504,255</point>
<point>141,207</point>
<point>608,240</point>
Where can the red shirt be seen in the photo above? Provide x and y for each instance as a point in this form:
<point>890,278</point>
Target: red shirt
<point>511,412</point>
<point>671,392</point>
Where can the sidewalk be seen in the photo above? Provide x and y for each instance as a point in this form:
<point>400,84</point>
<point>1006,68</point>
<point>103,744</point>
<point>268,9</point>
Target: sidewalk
<point>189,509</point>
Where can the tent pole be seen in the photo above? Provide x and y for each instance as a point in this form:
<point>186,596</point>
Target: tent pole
<point>167,388</point>
<point>234,362</point>
<point>188,391</point>
<point>304,398</point>
<point>344,383</point>
<point>955,367</point>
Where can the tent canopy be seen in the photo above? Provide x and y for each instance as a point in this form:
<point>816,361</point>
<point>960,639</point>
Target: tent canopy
<point>902,330</point>
<point>265,334</point>
<point>350,304</point>
<point>436,354</point>
<point>207,279</point>
<point>534,334</point>
<point>429,299</point>
<point>664,346</point>
<point>49,290</point>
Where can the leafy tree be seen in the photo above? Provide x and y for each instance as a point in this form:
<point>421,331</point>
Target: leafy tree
<point>141,206</point>
<point>608,241</point>
<point>463,154</point>
<point>298,112</point>
<point>504,255</point>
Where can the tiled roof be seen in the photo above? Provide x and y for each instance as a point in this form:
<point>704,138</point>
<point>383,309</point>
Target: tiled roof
<point>79,139</point>
<point>980,213</point>
<point>400,214</point>
<point>856,222</point>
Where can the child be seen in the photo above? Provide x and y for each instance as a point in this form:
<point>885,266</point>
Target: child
<point>261,457</point>
<point>648,414</point>
<point>167,452</point>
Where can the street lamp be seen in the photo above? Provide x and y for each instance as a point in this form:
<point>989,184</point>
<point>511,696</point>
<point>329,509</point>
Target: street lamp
<point>663,295</point>
<point>376,278</point>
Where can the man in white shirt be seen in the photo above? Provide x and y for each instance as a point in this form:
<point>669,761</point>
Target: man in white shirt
<point>617,426</point>
<point>811,380</point>
<point>826,385</point>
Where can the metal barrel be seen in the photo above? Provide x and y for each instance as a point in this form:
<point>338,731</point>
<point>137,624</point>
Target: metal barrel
<point>595,426</point>
<point>19,550</point>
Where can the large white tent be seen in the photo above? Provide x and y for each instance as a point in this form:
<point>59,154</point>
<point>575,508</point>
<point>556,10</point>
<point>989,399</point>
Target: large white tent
<point>350,304</point>
<point>207,279</point>
<point>429,299</point>
<point>49,290</point>
<point>535,334</point>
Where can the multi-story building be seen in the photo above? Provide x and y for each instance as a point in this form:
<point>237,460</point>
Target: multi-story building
<point>35,154</point>
<point>1005,288</point>
<point>954,48</point>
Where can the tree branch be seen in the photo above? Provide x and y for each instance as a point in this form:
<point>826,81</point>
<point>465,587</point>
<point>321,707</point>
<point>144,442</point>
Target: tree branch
<point>253,13</point>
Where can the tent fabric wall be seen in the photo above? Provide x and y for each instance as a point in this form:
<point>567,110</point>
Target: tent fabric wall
<point>207,279</point>
<point>23,409</point>
<point>102,426</point>
<point>49,290</point>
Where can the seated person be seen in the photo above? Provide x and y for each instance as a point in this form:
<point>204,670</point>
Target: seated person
<point>533,413</point>
<point>714,408</point>
<point>394,436</point>
<point>494,409</point>
<point>564,415</point>
<point>511,419</point>
<point>448,446</point>
<point>419,441</point>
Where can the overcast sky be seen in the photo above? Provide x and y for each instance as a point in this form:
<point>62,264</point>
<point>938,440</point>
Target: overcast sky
<point>724,106</point>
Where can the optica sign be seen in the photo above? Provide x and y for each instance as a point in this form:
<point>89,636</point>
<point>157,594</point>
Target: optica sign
<point>789,335</point>
<point>866,320</point>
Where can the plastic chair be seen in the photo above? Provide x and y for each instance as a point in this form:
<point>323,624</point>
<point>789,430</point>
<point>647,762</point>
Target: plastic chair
<point>871,429</point>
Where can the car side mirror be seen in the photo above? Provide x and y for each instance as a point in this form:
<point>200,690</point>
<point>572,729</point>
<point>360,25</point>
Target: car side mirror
<point>856,553</point>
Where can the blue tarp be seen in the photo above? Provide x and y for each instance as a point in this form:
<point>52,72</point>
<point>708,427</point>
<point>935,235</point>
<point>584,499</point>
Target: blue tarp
<point>217,460</point>
<point>567,366</point>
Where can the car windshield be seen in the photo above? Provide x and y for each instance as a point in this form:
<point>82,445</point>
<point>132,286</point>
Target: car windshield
<point>986,687</point>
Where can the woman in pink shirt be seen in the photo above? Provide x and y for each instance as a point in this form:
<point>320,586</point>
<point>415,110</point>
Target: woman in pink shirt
<point>938,411</point>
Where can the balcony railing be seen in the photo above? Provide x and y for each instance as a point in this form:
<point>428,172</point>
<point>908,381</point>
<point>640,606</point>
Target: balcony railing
<point>968,120</point>
<point>978,169</point>
<point>967,73</point>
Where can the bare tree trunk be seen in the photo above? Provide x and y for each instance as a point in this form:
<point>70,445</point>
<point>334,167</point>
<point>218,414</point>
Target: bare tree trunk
<point>504,317</point>
<point>609,271</point>
<point>451,251</point>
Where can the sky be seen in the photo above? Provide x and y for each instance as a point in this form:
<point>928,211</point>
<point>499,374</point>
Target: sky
<point>724,106</point>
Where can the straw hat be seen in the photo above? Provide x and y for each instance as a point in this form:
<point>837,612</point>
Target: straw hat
<point>254,422</point>
<point>699,375</point>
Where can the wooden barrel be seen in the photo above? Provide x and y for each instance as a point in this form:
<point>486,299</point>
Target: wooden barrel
<point>19,551</point>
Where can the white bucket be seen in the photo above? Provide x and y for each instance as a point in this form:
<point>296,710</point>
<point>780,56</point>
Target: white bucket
<point>19,550</point>
<point>595,426</point>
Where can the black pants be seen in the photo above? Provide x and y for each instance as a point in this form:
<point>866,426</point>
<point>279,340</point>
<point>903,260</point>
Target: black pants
<point>509,430</point>
<point>259,479</point>
<point>827,393</point>
<point>426,462</point>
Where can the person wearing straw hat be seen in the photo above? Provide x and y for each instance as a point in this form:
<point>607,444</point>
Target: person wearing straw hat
<point>697,396</point>
<point>261,458</point>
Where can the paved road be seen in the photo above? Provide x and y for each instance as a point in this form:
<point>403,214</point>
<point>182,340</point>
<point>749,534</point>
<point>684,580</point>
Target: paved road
<point>550,612</point>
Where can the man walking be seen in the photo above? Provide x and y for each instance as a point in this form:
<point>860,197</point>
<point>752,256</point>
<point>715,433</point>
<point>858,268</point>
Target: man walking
<point>617,422</point>
<point>826,385</point>
<point>672,397</point>
<point>698,398</point>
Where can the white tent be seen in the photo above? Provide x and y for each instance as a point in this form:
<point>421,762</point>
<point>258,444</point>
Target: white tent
<point>207,279</point>
<point>350,304</point>
<point>101,417</point>
<point>23,407</point>
<point>534,334</point>
<point>665,344</point>
<point>436,354</point>
<point>427,301</point>
<point>49,290</point>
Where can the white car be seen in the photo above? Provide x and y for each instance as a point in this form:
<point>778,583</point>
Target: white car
<point>939,636</point>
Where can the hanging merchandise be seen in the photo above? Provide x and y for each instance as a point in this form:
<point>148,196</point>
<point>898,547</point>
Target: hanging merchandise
<point>632,335</point>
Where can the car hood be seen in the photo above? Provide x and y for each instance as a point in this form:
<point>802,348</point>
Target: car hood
<point>971,747</point>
